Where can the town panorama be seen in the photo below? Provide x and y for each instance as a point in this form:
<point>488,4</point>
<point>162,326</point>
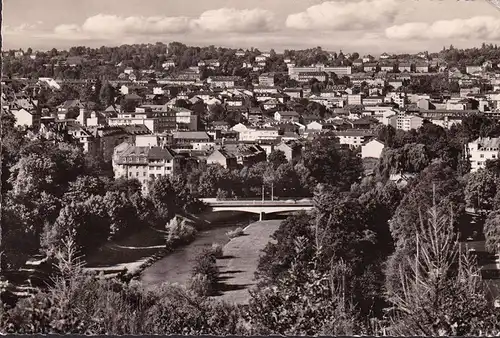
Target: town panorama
<point>173,189</point>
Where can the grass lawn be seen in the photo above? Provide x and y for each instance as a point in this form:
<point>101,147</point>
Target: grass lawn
<point>241,256</point>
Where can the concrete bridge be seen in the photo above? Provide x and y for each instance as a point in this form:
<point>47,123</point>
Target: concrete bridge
<point>259,206</point>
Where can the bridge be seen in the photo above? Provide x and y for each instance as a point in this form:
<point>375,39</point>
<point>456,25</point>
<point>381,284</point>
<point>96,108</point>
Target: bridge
<point>260,207</point>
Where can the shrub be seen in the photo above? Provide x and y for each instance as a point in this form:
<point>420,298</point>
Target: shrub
<point>180,231</point>
<point>235,233</point>
<point>206,264</point>
<point>200,285</point>
<point>217,250</point>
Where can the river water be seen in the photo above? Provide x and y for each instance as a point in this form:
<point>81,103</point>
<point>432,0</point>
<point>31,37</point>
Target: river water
<point>176,267</point>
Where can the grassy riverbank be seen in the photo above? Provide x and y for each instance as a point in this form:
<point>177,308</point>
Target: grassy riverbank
<point>134,253</point>
<point>240,259</point>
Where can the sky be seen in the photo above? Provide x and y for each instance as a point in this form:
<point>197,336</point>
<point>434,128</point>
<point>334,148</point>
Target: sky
<point>363,26</point>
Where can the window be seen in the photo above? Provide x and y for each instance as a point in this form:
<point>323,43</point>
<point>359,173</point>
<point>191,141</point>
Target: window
<point>143,173</point>
<point>130,174</point>
<point>493,156</point>
<point>481,156</point>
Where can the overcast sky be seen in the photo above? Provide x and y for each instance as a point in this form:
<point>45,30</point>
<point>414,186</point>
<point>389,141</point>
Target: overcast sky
<point>351,25</point>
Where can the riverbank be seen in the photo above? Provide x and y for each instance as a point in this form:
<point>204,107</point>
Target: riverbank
<point>240,261</point>
<point>131,255</point>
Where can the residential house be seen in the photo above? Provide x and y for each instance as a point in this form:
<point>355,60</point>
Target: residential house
<point>291,149</point>
<point>169,63</point>
<point>387,67</point>
<point>283,116</point>
<point>370,67</point>
<point>222,157</point>
<point>245,154</point>
<point>354,99</point>
<point>267,79</point>
<point>27,117</point>
<point>260,58</point>
<point>482,149</point>
<point>473,69</point>
<point>372,149</point>
<point>384,56</point>
<point>404,67</point>
<point>353,138</point>
<point>422,67</point>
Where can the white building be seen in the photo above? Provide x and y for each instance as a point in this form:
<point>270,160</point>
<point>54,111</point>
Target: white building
<point>353,138</point>
<point>256,134</point>
<point>406,122</point>
<point>28,118</point>
<point>143,163</point>
<point>372,148</point>
<point>481,150</point>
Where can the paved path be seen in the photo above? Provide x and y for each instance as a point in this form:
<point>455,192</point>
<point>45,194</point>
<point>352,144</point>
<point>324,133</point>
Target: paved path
<point>241,256</point>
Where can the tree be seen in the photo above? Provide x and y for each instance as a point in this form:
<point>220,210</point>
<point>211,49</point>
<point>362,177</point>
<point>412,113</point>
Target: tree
<point>107,94</point>
<point>328,164</point>
<point>481,189</point>
<point>492,231</point>
<point>442,292</point>
<point>83,188</point>
<point>163,195</point>
<point>306,301</point>
<point>437,180</point>
<point>276,158</point>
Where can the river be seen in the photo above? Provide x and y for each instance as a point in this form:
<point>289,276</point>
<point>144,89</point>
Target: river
<point>176,267</point>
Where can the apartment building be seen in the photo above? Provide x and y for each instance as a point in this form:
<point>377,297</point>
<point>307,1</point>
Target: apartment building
<point>405,122</point>
<point>143,163</point>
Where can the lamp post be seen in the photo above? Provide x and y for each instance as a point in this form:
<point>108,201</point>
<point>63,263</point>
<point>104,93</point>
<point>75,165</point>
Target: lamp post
<point>263,193</point>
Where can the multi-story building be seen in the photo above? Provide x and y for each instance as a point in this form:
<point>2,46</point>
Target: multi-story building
<point>293,71</point>
<point>406,122</point>
<point>267,79</point>
<point>258,134</point>
<point>353,138</point>
<point>223,81</point>
<point>308,76</point>
<point>143,163</point>
<point>481,150</point>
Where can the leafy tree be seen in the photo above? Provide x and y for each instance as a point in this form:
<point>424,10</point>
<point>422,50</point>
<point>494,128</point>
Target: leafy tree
<point>276,158</point>
<point>328,164</point>
<point>163,195</point>
<point>492,231</point>
<point>306,301</point>
<point>83,188</point>
<point>481,189</point>
<point>438,181</point>
<point>107,94</point>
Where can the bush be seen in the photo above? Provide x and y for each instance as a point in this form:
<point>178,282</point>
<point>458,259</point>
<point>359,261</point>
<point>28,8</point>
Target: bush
<point>180,231</point>
<point>217,250</point>
<point>206,265</point>
<point>200,285</point>
<point>235,233</point>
